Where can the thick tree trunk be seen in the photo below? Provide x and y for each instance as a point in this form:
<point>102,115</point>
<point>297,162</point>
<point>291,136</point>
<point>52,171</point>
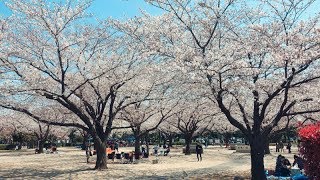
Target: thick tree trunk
<point>188,143</point>
<point>100,147</point>
<point>137,147</point>
<point>257,144</point>
<point>41,146</point>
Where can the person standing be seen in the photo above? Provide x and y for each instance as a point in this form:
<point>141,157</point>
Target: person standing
<point>143,150</point>
<point>199,151</point>
<point>116,146</point>
<point>281,146</point>
<point>155,149</point>
<point>88,151</point>
<point>289,147</point>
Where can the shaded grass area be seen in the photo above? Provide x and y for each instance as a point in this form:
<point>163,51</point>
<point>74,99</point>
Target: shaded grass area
<point>15,151</point>
<point>71,164</point>
<point>30,173</point>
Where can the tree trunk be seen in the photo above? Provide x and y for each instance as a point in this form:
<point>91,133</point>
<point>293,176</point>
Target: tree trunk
<point>164,140</point>
<point>170,140</point>
<point>147,143</point>
<point>266,147</point>
<point>41,146</point>
<point>159,143</point>
<point>257,144</point>
<point>188,142</point>
<point>100,147</point>
<point>227,137</point>
<point>137,147</point>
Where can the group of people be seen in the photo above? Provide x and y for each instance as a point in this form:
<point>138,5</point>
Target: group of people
<point>283,165</point>
<point>166,150</point>
<point>114,146</point>
<point>280,147</point>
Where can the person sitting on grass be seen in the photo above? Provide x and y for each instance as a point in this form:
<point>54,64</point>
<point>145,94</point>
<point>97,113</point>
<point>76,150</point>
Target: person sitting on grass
<point>53,149</point>
<point>298,161</point>
<point>286,165</point>
<point>166,152</point>
<point>282,166</point>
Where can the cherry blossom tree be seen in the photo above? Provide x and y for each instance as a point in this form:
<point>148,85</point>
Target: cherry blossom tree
<point>193,118</point>
<point>54,57</point>
<point>31,124</point>
<point>258,60</point>
<point>168,132</point>
<point>225,130</point>
<point>146,116</point>
<point>6,129</point>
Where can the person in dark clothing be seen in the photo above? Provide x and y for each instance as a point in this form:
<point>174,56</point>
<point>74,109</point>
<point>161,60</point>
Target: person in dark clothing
<point>281,146</point>
<point>166,152</point>
<point>199,151</point>
<point>289,147</point>
<point>143,150</point>
<point>286,165</point>
<point>299,161</point>
<point>278,166</point>
<point>282,166</point>
<point>285,168</point>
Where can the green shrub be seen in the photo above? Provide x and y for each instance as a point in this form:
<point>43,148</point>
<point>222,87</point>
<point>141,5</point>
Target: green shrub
<point>3,146</point>
<point>10,147</point>
<point>178,143</point>
<point>7,146</point>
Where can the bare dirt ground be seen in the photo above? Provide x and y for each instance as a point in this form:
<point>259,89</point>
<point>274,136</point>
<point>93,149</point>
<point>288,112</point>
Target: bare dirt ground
<point>70,163</point>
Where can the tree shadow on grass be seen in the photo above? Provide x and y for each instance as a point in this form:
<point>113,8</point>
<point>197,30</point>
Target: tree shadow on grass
<point>26,173</point>
<point>206,173</point>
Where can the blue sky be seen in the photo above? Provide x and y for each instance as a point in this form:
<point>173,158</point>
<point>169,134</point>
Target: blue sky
<point>123,9</point>
<point>119,9</point>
